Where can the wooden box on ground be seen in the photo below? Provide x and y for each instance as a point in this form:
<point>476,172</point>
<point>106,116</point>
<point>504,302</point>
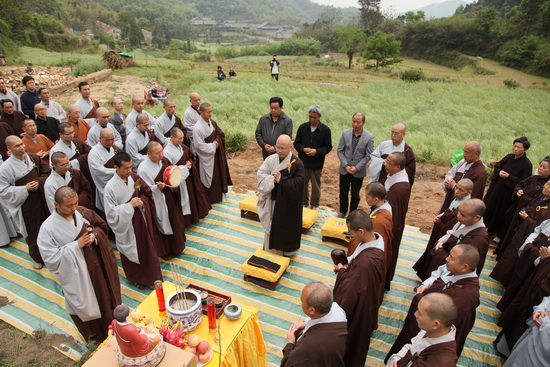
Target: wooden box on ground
<point>105,356</point>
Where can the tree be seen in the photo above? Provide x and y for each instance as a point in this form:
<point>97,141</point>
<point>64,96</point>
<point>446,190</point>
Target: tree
<point>352,40</point>
<point>383,48</point>
<point>371,17</point>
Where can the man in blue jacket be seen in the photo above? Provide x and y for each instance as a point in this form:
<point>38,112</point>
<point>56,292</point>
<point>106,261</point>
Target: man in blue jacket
<point>29,98</point>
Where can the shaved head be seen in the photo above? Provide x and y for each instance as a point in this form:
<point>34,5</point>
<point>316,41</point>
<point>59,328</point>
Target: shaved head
<point>440,307</point>
<point>106,133</point>
<point>64,192</point>
<point>57,156</point>
<point>284,140</point>
<point>12,140</point>
<point>151,145</point>
<point>468,255</point>
<point>467,184</point>
<point>102,110</point>
<point>319,296</point>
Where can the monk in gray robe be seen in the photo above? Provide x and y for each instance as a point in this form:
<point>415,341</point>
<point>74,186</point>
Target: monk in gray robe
<point>98,158</point>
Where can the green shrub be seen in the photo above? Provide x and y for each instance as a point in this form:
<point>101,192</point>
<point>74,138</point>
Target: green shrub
<point>412,75</point>
<point>480,70</point>
<point>330,62</point>
<point>223,53</point>
<point>202,57</point>
<point>425,156</point>
<point>236,141</point>
<point>511,83</point>
<point>83,68</point>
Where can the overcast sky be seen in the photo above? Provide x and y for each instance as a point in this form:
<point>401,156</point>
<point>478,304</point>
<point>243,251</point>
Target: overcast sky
<point>397,6</point>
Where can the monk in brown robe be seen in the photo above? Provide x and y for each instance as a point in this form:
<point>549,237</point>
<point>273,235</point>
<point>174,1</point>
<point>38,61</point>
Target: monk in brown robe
<point>435,344</point>
<point>12,117</point>
<point>470,167</point>
<point>74,243</point>
<point>5,131</point>
<point>22,179</point>
<point>469,229</point>
<point>381,215</point>
<point>35,143</point>
<point>399,192</point>
<point>80,126</point>
<point>357,287</point>
<point>179,154</point>
<point>507,173</point>
<point>321,340</point>
<point>456,279</point>
<point>528,219</point>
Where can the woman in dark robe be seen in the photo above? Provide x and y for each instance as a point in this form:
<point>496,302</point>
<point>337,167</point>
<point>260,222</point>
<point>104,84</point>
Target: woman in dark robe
<point>508,172</point>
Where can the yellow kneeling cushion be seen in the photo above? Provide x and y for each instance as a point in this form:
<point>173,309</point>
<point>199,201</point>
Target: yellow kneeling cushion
<point>308,217</point>
<point>334,228</point>
<point>265,274</point>
<point>249,204</point>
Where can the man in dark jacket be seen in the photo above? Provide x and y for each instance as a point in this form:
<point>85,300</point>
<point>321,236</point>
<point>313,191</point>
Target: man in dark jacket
<point>313,142</point>
<point>30,97</point>
<point>271,126</point>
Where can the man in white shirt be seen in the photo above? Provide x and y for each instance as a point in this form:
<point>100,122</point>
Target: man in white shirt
<point>53,109</point>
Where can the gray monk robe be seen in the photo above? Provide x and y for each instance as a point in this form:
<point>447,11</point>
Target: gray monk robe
<point>73,178</point>
<point>322,343</point>
<point>7,225</point>
<point>399,193</point>
<point>199,204</point>
<point>280,205</point>
<point>168,211</point>
<point>463,289</point>
<point>27,208</point>
<point>137,236</point>
<point>97,159</point>
<point>164,124</point>
<point>88,276</point>
<point>356,291</point>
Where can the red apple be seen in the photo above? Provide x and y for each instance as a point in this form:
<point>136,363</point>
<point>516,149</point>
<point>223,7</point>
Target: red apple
<point>189,349</point>
<point>193,340</point>
<point>203,347</point>
<point>203,358</point>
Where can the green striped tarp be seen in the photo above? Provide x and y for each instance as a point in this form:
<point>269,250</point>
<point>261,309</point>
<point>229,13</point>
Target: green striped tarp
<point>216,248</point>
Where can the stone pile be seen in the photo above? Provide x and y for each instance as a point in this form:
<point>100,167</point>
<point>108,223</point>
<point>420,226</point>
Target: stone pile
<point>45,76</point>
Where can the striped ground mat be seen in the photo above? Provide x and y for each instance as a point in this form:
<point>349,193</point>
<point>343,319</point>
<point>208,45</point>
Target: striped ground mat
<point>216,248</point>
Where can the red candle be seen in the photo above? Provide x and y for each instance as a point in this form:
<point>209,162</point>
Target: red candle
<point>211,313</point>
<point>160,296</point>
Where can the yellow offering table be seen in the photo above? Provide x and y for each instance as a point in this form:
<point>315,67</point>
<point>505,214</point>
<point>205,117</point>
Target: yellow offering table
<point>242,342</point>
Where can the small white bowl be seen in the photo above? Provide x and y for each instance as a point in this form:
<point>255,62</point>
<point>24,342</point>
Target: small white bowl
<point>233,311</point>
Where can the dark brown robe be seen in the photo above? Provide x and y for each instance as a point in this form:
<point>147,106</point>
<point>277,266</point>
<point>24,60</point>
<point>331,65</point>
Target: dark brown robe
<point>478,237</point>
<point>440,355</point>
<point>356,291</point>
<point>81,129</point>
<point>465,295</point>
<point>499,197</point>
<point>93,111</point>
<point>286,221</point>
<point>221,178</point>
<point>5,131</point>
<point>198,201</point>
<point>35,210</point>
<point>445,223</point>
<point>152,137</point>
<point>174,244</point>
<point>477,174</point>
<point>517,234</point>
<point>148,240</point>
<point>323,345</point>
<point>410,166</point>
<point>15,121</point>
<point>83,188</point>
<point>179,125</point>
<point>520,307</point>
<point>103,270</point>
<point>398,196</point>
<point>383,225</point>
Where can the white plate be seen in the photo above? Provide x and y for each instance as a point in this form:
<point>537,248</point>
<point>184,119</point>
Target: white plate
<point>200,364</point>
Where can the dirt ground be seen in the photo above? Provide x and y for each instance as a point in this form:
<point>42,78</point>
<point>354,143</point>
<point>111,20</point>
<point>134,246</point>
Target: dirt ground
<point>426,196</point>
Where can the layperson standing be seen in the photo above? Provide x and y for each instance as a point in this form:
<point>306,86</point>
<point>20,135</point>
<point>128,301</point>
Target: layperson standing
<point>281,186</point>
<point>5,93</point>
<point>138,105</point>
<point>53,109</point>
<point>313,142</point>
<point>12,117</point>
<point>46,125</point>
<point>398,196</point>
<point>7,224</point>
<point>209,146</point>
<point>507,173</point>
<point>271,126</point>
<point>83,262</point>
<point>456,279</point>
<point>469,229</point>
<point>97,159</point>
<point>87,105</point>
<point>130,213</point>
<point>179,154</point>
<point>354,149</point>
<point>118,118</point>
<point>470,167</point>
<point>395,144</point>
<point>320,340</point>
<point>5,131</point>
<point>80,126</point>
<point>167,121</point>
<point>36,143</point>
<point>191,115</point>
<point>29,98</point>
<point>167,199</point>
<point>435,344</point>
<point>358,285</point>
<point>63,175</point>
<point>138,138</point>
<point>102,121</point>
<point>21,179</point>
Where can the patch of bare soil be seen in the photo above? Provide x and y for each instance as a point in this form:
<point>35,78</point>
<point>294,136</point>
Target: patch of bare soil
<point>426,197</point>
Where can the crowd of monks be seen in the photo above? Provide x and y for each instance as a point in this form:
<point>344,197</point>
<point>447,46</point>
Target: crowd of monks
<point>71,186</point>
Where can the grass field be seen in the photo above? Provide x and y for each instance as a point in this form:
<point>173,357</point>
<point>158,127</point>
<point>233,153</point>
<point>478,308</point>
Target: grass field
<point>440,116</point>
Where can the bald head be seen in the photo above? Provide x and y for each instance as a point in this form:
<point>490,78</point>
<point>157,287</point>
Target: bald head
<point>12,140</point>
<point>102,110</point>
<point>440,307</point>
<point>284,140</point>
<point>152,145</point>
<point>64,192</point>
<point>141,118</point>
<point>57,156</point>
<point>73,107</point>
<point>472,152</point>
<point>106,133</point>
<point>195,100</point>
<point>467,183</point>
<point>468,254</point>
<point>283,145</point>
<point>476,206</point>
<point>175,131</point>
<point>319,296</point>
